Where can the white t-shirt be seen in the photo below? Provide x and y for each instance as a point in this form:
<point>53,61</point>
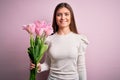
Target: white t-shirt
<point>66,57</point>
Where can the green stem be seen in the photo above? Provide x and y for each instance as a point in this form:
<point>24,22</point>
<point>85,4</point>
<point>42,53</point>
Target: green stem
<point>33,74</point>
<point>31,40</point>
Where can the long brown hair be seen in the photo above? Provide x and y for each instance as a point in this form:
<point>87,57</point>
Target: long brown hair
<point>72,24</point>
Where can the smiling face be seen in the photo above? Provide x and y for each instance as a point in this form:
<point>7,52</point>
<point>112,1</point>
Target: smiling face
<point>63,18</point>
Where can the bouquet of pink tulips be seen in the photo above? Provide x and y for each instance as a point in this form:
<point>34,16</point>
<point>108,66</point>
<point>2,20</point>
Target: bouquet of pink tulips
<point>38,31</point>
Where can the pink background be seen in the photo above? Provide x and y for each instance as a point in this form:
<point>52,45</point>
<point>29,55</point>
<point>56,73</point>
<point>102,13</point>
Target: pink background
<point>98,19</point>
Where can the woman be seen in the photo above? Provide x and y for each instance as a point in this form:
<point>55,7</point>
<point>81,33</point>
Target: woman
<point>66,52</point>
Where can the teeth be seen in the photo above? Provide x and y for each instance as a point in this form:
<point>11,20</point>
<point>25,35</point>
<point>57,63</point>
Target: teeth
<point>63,21</point>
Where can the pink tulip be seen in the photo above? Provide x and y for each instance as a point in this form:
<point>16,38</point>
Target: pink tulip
<point>48,30</point>
<point>42,27</point>
<point>40,24</point>
<point>39,31</point>
<point>30,28</point>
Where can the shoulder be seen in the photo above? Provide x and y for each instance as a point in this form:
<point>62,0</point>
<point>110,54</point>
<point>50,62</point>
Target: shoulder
<point>82,38</point>
<point>49,38</point>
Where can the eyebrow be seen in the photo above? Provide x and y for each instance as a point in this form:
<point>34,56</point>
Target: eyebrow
<point>63,12</point>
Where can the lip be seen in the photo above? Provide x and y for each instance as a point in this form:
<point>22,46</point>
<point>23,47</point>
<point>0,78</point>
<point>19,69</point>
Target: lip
<point>63,21</point>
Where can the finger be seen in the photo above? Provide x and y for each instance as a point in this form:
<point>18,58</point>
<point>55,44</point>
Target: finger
<point>32,66</point>
<point>38,64</point>
<point>39,67</point>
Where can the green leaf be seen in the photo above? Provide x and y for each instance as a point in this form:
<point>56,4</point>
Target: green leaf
<point>37,40</point>
<point>30,53</point>
<point>36,52</point>
<point>32,42</point>
<point>42,51</point>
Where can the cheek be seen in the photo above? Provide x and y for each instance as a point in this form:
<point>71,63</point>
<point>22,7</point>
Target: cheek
<point>70,19</point>
<point>57,18</point>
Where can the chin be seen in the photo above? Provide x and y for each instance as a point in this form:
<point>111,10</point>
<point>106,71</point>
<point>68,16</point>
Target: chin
<point>63,26</point>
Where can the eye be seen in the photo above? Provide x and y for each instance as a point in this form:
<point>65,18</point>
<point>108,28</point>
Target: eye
<point>67,14</point>
<point>58,14</point>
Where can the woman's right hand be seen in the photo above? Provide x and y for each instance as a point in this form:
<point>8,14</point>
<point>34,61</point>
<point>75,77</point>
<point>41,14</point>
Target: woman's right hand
<point>32,66</point>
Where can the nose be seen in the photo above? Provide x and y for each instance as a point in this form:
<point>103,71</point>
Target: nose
<point>63,16</point>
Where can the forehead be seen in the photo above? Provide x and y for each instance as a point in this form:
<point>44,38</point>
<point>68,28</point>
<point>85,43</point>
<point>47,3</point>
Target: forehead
<point>63,10</point>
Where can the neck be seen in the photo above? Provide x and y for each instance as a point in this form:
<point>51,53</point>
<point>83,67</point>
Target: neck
<point>64,31</point>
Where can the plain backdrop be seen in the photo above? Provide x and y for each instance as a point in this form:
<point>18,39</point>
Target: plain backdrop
<point>99,20</point>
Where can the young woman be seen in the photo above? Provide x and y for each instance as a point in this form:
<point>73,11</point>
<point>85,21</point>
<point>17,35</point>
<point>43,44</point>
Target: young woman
<point>66,52</point>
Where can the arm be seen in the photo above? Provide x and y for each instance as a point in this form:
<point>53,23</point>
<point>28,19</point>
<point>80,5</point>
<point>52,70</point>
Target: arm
<point>44,66</point>
<point>81,67</point>
<point>81,58</point>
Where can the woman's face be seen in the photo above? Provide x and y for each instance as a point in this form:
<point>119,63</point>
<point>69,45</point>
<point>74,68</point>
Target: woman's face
<point>63,17</point>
